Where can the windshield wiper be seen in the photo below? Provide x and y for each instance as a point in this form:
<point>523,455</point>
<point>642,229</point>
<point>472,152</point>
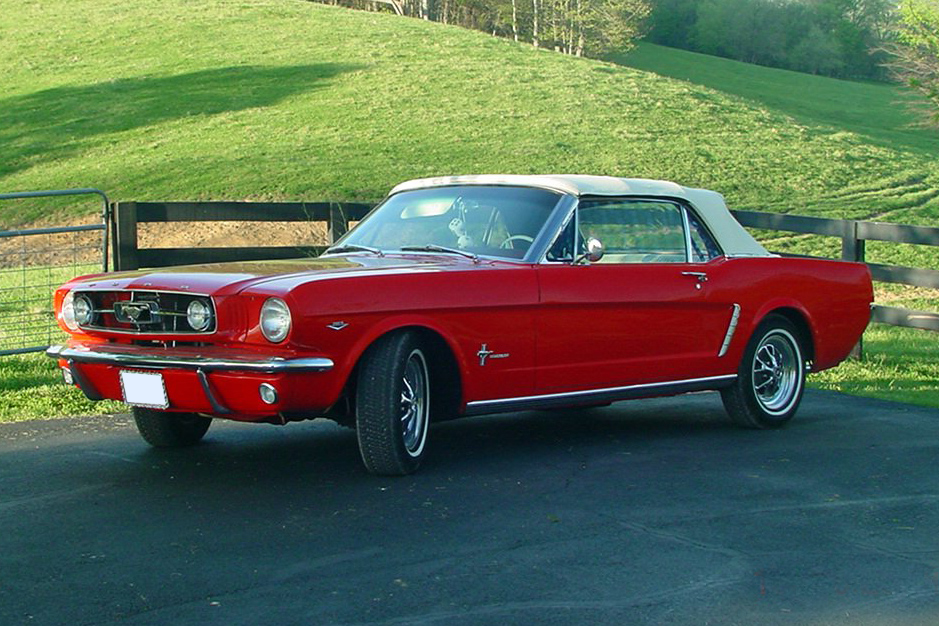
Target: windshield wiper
<point>352,247</point>
<point>435,248</point>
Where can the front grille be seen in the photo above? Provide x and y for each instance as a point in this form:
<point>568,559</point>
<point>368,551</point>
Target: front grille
<point>145,312</point>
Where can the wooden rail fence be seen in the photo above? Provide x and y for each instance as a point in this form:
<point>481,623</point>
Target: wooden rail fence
<point>853,236</point>
<point>125,217</point>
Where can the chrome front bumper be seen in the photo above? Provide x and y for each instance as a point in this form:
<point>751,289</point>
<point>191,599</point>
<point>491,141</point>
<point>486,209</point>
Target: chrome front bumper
<point>187,358</point>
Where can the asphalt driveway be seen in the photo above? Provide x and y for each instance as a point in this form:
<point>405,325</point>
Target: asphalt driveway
<point>653,512</point>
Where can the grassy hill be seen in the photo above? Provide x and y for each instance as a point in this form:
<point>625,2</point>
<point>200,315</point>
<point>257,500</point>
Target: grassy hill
<point>283,99</point>
<point>288,100</point>
<point>873,113</point>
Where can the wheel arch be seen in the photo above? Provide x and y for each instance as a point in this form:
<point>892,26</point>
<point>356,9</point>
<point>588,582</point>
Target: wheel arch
<point>443,362</point>
<point>801,321</point>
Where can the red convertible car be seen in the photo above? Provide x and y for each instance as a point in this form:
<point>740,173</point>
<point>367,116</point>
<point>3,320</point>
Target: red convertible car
<point>464,296</point>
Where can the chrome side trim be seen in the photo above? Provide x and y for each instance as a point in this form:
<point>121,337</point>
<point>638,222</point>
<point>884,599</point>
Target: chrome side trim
<point>751,255</point>
<point>731,329</point>
<point>142,357</point>
<point>610,394</point>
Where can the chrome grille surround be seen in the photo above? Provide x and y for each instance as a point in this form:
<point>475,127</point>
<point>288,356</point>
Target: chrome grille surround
<point>147,312</point>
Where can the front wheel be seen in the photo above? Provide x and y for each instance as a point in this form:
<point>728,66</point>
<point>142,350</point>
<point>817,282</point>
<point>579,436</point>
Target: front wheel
<point>771,377</point>
<point>163,429</point>
<point>393,405</point>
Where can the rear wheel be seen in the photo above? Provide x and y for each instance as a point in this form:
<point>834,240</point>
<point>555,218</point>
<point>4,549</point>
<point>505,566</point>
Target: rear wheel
<point>163,429</point>
<point>393,405</point>
<point>771,377</point>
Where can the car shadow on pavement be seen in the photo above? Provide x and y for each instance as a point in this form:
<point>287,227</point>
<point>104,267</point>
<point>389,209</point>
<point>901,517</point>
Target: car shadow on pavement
<point>305,455</point>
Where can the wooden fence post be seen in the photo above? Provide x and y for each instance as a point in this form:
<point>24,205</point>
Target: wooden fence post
<point>853,249</point>
<point>125,236</point>
<point>338,222</point>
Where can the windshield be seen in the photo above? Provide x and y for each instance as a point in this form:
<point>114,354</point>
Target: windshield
<point>476,220</point>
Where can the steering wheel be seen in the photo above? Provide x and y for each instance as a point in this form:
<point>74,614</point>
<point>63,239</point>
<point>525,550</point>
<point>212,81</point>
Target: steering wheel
<point>508,242</point>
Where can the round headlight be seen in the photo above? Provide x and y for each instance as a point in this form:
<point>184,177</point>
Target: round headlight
<point>199,315</point>
<point>67,314</point>
<point>83,311</point>
<point>275,320</point>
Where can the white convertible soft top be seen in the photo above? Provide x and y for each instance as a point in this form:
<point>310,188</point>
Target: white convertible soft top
<point>733,239</point>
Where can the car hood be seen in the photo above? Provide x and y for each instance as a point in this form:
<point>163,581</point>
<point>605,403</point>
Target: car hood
<point>231,278</point>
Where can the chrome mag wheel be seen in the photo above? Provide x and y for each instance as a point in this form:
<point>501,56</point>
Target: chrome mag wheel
<point>776,375</point>
<point>414,403</point>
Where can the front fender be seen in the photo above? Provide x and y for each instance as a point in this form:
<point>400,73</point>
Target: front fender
<point>345,363</point>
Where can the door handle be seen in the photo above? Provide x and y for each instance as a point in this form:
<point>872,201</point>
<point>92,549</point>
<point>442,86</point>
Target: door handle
<point>700,276</point>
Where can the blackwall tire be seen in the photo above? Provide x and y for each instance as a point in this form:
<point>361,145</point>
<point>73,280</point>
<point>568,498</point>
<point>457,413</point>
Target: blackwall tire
<point>771,378</point>
<point>163,429</point>
<point>393,405</point>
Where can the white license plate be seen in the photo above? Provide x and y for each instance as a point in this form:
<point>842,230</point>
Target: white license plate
<point>144,389</point>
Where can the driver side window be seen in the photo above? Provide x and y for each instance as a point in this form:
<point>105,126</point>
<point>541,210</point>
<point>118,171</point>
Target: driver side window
<point>635,231</point>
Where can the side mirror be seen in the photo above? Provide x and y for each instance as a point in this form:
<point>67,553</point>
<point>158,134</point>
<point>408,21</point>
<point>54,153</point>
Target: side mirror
<point>594,251</point>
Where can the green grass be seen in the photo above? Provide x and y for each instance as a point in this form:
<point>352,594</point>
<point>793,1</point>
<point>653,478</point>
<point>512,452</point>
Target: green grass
<point>876,112</point>
<point>31,387</point>
<point>899,364</point>
<point>284,99</point>
<point>288,100</point>
<point>870,114</point>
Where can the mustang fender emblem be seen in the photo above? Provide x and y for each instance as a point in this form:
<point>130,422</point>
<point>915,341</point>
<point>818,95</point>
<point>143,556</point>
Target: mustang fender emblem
<point>485,353</point>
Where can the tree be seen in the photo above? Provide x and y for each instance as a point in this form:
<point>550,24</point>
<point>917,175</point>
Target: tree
<point>816,53</point>
<point>841,38</point>
<point>672,21</point>
<point>916,53</point>
<point>746,30</point>
<point>588,27</point>
<point>577,27</point>
<point>535,17</point>
<point>860,27</point>
<point>610,25</point>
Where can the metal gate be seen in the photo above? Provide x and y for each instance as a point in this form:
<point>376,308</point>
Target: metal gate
<point>34,262</point>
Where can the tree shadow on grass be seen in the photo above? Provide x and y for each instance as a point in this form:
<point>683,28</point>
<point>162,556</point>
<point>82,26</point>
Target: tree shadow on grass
<point>58,122</point>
